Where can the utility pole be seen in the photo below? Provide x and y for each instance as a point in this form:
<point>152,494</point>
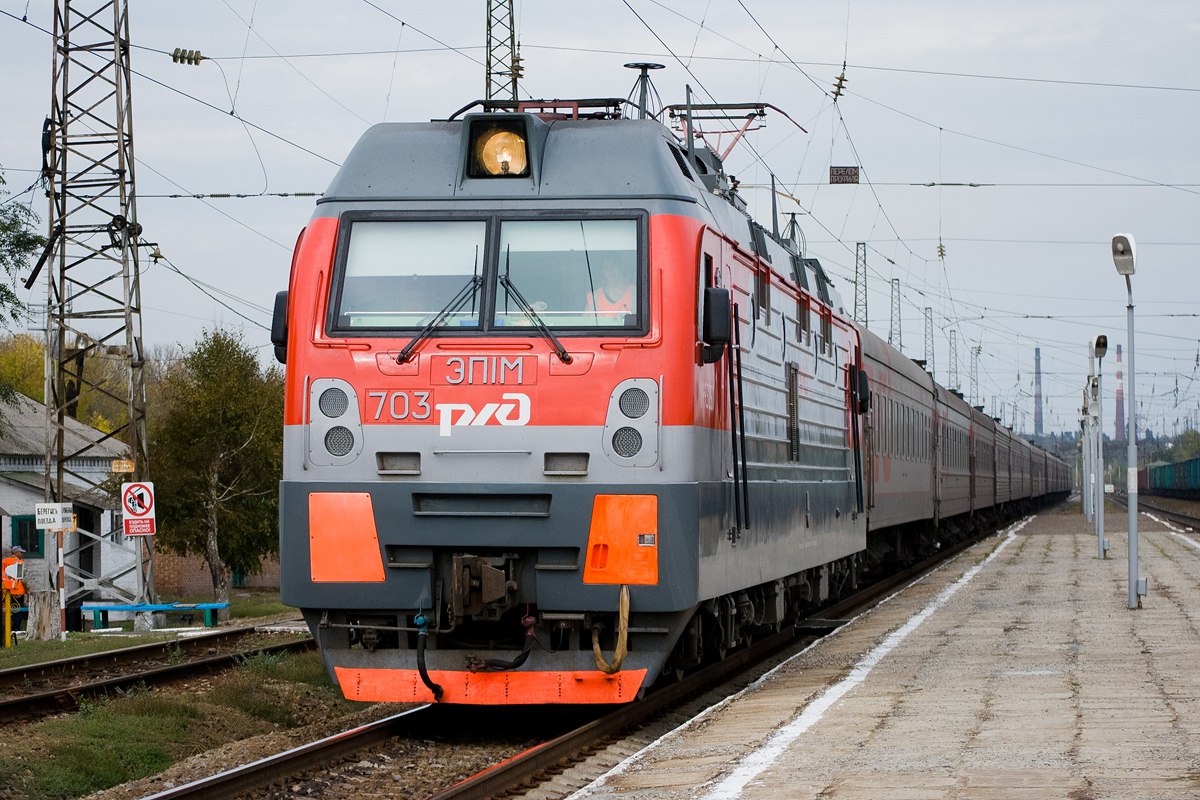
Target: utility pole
<point>860,284</point>
<point>503,65</point>
<point>895,334</point>
<point>953,380</point>
<point>93,302</point>
<point>974,376</point>
<point>929,341</point>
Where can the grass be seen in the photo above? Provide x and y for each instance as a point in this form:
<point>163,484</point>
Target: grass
<point>77,644</point>
<point>107,743</point>
<point>130,735</point>
<point>243,604</point>
<point>257,603</point>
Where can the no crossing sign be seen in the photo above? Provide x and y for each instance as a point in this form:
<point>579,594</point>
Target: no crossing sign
<point>137,508</point>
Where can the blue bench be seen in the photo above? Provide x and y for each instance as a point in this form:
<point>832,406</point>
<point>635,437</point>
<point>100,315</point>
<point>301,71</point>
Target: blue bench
<point>100,610</point>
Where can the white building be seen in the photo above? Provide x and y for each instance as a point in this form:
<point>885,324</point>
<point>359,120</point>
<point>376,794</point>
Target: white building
<point>100,566</point>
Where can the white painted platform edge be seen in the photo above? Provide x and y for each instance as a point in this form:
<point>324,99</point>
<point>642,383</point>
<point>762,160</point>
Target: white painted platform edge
<point>757,761</point>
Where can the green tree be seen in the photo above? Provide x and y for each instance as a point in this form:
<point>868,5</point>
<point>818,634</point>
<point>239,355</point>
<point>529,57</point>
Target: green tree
<point>1186,446</point>
<point>216,443</point>
<point>18,243</point>
<point>23,364</point>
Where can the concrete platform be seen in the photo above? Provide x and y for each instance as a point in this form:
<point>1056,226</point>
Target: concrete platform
<point>1015,671</point>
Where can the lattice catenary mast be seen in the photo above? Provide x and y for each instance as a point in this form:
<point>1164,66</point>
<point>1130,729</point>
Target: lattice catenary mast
<point>503,65</point>
<point>860,284</point>
<point>93,302</point>
<point>895,334</point>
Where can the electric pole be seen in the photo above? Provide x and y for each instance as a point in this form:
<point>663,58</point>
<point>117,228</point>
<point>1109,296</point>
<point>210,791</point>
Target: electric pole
<point>503,65</point>
<point>860,284</point>
<point>93,301</point>
<point>953,380</point>
<point>929,341</point>
<point>895,334</point>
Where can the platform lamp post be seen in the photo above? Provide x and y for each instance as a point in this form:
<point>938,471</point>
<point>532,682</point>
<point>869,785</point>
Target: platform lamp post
<point>1089,481</point>
<point>1122,253</point>
<point>1101,348</point>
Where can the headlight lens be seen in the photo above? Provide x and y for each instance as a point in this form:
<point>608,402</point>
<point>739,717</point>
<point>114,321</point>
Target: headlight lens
<point>339,441</point>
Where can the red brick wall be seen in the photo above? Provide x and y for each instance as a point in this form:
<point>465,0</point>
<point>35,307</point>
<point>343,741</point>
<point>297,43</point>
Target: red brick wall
<point>188,575</point>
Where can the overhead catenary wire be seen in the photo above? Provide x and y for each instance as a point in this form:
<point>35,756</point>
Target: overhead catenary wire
<point>909,267</point>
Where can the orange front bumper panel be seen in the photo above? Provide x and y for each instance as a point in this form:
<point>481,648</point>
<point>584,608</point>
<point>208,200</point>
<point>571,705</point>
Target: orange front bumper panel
<point>490,688</point>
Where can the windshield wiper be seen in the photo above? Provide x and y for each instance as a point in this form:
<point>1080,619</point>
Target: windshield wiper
<point>528,310</point>
<point>456,302</point>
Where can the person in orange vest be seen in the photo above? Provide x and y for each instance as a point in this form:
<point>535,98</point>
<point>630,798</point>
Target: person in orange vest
<point>615,292</point>
<point>14,582</point>
<point>13,570</point>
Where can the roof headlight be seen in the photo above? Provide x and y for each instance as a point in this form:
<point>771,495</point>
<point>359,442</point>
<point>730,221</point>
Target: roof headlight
<point>498,150</point>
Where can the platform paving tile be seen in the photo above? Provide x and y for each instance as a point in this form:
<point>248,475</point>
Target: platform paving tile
<point>1032,681</point>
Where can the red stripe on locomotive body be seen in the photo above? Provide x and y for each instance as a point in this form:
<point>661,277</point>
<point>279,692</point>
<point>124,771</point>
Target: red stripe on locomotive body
<point>478,371</point>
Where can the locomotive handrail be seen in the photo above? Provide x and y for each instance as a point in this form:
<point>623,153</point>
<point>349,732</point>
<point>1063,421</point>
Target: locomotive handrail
<point>514,105</point>
<point>737,428</point>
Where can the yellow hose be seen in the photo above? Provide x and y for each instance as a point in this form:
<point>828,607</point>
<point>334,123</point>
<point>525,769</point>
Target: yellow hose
<point>622,636</point>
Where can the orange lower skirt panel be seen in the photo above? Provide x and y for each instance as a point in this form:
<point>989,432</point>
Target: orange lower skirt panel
<point>490,688</point>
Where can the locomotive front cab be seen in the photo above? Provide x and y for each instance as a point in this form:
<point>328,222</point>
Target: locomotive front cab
<point>479,402</point>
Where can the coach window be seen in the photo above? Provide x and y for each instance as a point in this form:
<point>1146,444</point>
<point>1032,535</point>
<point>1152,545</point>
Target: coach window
<point>573,273</point>
<point>402,274</point>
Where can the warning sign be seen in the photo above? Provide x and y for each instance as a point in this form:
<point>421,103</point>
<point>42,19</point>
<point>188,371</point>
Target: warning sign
<point>137,507</point>
<point>54,516</point>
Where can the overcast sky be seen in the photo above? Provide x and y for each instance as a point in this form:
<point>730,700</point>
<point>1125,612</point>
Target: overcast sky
<point>1076,120</point>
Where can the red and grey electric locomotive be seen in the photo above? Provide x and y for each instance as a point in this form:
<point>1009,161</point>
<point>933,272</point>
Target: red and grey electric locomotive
<point>561,417</point>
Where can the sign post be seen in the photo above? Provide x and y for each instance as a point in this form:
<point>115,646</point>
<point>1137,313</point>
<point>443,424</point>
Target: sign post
<point>137,508</point>
<point>137,513</point>
<point>57,517</point>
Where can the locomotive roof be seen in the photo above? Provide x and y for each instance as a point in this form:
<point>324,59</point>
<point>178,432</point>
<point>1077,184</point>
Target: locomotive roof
<point>574,162</point>
<point>579,159</point>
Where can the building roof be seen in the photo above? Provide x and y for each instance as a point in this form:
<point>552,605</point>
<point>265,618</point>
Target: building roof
<point>23,433</point>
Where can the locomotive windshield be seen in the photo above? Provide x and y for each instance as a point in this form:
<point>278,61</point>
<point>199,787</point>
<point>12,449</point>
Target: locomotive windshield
<point>402,274</point>
<point>572,275</point>
<point>576,273</point>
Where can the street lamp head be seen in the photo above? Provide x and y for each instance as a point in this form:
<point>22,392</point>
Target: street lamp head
<point>1122,253</point>
<point>1101,345</point>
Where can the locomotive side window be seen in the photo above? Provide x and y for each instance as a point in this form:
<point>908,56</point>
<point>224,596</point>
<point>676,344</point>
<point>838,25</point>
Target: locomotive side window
<point>803,322</point>
<point>762,292</point>
<point>401,274</point>
<point>574,273</point>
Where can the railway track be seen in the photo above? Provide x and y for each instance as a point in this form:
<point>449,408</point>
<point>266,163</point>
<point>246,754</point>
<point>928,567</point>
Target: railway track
<point>1173,515</point>
<point>554,753</point>
<point>55,686</point>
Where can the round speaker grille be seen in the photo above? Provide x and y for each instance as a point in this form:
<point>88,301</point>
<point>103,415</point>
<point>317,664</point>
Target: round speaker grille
<point>634,402</point>
<point>333,402</point>
<point>339,441</point>
<point>627,442</point>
